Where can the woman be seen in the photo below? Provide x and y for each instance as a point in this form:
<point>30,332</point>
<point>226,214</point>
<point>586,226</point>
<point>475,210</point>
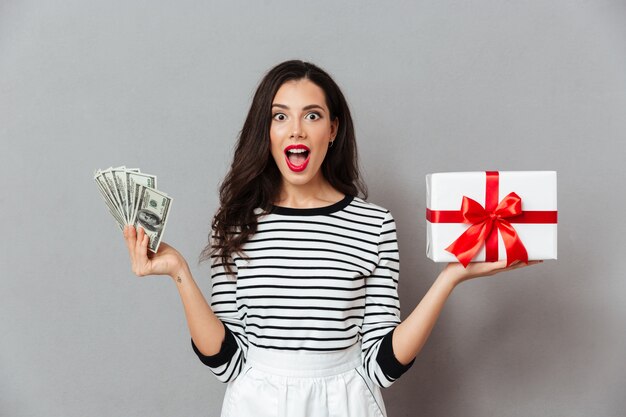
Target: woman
<point>304,317</point>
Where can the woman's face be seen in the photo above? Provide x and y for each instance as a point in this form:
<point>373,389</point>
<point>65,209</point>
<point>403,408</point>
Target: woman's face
<point>300,132</point>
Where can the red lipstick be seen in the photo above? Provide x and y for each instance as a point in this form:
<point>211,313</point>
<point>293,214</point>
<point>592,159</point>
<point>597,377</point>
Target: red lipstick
<point>299,148</point>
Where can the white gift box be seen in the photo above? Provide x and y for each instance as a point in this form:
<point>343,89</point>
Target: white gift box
<point>535,227</point>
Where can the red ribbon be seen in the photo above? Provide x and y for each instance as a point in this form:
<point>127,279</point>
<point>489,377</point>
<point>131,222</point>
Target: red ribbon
<point>485,223</point>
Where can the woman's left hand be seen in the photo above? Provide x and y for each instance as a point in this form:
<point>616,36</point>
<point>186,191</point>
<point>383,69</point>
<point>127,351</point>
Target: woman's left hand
<point>457,273</point>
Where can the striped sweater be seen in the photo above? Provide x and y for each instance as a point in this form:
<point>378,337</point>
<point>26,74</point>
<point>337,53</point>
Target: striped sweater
<point>317,279</point>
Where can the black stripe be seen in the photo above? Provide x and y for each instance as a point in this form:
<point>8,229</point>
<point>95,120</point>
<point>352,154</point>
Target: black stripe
<point>222,293</point>
<point>359,204</point>
<point>324,339</point>
<point>333,225</point>
<point>321,232</point>
<point>301,277</point>
<point>379,267</point>
<point>383,305</point>
<point>378,380</point>
<point>215,284</point>
<point>300,297</point>
<point>317,318</point>
<point>351,221</point>
<point>388,251</point>
<point>293,239</point>
<point>363,215</point>
<point>300,287</point>
<point>221,273</point>
<point>300,258</point>
<point>291,248</point>
<point>222,302</point>
<point>375,295</point>
<point>302,268</point>
<point>380,313</point>
<point>378,329</point>
<point>390,259</point>
<point>359,307</point>
<point>294,328</point>
<point>302,348</point>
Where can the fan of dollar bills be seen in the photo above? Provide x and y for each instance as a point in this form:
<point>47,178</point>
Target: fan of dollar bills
<point>132,198</point>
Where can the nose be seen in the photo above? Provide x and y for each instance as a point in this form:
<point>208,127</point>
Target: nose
<point>296,129</point>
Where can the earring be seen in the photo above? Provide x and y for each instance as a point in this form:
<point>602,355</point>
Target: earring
<point>331,143</point>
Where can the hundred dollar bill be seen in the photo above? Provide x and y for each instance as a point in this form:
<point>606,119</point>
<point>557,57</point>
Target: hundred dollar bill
<point>110,205</point>
<point>151,214</point>
<point>119,182</point>
<point>133,181</point>
<point>104,184</point>
<point>108,180</point>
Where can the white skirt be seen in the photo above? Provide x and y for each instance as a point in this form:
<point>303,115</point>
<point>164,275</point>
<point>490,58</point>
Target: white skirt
<point>296,384</point>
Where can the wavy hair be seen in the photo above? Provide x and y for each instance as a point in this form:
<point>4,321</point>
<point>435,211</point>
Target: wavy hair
<point>254,180</point>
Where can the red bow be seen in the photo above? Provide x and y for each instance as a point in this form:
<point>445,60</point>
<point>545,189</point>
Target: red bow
<point>482,230</point>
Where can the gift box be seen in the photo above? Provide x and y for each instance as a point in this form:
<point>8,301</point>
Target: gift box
<point>491,215</point>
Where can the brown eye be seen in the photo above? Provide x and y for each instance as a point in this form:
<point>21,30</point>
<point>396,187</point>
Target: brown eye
<point>279,116</point>
<point>317,116</point>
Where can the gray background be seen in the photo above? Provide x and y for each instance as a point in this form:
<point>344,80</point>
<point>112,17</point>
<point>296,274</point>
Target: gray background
<point>433,86</point>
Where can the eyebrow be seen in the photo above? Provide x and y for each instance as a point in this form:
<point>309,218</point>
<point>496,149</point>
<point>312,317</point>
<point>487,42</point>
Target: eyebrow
<point>310,106</point>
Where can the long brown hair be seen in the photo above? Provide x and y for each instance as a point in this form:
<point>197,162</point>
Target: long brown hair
<point>254,179</point>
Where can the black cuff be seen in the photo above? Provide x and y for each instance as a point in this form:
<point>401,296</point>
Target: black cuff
<point>227,350</point>
<point>387,360</point>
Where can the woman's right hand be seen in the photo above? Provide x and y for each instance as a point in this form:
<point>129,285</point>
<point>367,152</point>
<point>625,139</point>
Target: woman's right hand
<point>457,273</point>
<point>167,261</point>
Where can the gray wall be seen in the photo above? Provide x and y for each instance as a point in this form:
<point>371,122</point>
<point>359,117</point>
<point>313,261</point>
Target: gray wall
<point>433,86</point>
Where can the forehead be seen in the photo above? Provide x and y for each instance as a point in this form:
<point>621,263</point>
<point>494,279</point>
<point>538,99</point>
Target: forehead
<point>299,93</point>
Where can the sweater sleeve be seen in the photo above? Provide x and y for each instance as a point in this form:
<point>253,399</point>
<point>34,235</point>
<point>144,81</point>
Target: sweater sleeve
<point>229,361</point>
<point>382,310</point>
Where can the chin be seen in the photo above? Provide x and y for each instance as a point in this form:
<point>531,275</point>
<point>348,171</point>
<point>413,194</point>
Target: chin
<point>301,180</point>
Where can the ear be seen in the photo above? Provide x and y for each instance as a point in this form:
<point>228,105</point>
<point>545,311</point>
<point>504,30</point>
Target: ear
<point>334,128</point>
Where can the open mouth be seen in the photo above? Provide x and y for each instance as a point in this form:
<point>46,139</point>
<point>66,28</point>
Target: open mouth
<point>297,157</point>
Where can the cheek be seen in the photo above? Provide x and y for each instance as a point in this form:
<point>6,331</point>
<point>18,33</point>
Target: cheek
<point>277,130</point>
<point>321,156</point>
<point>275,136</point>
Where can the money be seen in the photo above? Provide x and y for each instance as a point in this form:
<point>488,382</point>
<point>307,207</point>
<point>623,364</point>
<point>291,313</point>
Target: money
<point>132,198</point>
